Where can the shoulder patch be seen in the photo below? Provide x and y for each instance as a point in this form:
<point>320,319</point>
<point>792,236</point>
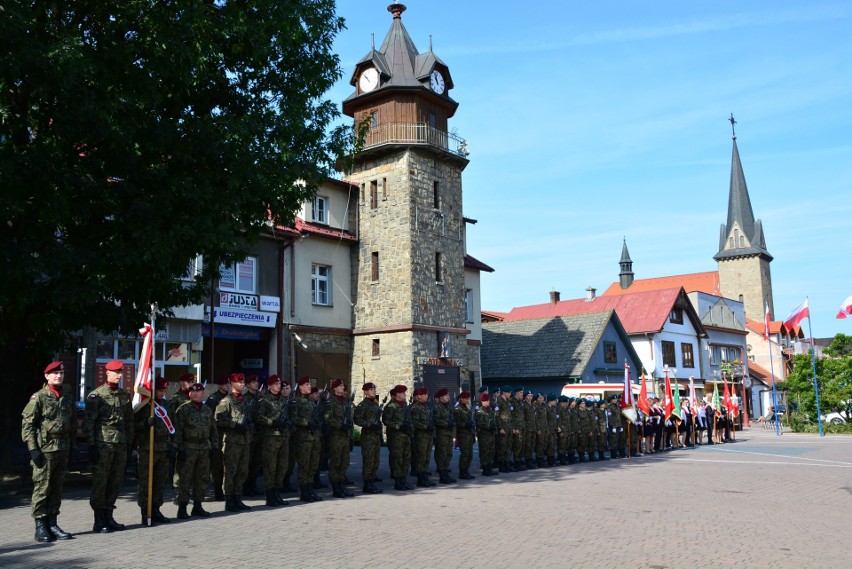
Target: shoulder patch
<point>33,398</point>
<point>93,395</point>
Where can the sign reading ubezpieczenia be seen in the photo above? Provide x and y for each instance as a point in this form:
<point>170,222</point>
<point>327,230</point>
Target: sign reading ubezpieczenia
<point>244,317</point>
<point>238,301</point>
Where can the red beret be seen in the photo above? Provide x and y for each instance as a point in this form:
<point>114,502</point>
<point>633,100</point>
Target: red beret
<point>400,389</point>
<point>251,378</point>
<point>368,386</point>
<point>464,395</point>
<point>304,380</point>
<point>441,392</point>
<point>272,380</point>
<point>336,383</point>
<point>114,365</point>
<point>235,377</point>
<point>161,383</point>
<point>421,391</point>
<point>54,366</point>
<point>187,377</point>
<point>484,397</point>
<point>196,387</point>
<point>222,379</point>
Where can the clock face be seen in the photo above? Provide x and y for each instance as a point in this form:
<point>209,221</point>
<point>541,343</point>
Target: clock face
<point>436,80</point>
<point>369,80</point>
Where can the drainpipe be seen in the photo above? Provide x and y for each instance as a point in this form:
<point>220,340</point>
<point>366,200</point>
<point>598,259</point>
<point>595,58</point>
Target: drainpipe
<point>282,329</point>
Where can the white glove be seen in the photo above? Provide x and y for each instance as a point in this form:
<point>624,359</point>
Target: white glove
<point>613,429</point>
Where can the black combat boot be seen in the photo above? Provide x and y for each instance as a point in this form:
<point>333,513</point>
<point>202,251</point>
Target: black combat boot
<point>42,532</point>
<point>318,483</point>
<point>305,493</point>
<point>466,475</point>
<point>443,478</point>
<point>270,499</point>
<point>144,512</point>
<point>158,516</point>
<point>110,521</point>
<point>450,477</point>
<point>337,490</point>
<point>182,515</point>
<point>278,499</point>
<point>230,506</point>
<point>370,488</point>
<point>239,503</point>
<point>316,497</point>
<point>56,530</point>
<point>100,525</point>
<point>582,456</point>
<point>347,482</point>
<point>504,467</point>
<point>198,511</point>
<point>531,464</point>
<point>218,495</point>
<point>399,484</point>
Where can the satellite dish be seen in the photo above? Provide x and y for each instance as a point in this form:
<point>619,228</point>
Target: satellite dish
<point>748,347</point>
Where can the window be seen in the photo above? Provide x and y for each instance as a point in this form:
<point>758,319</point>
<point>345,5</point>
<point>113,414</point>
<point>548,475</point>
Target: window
<point>444,347</point>
<point>715,355</point>
<point>686,355</point>
<point>374,119</point>
<point>377,351</point>
<point>676,316</point>
<point>468,305</point>
<point>374,194</point>
<point>432,119</point>
<point>669,354</point>
<point>610,356</point>
<point>439,277</point>
<point>320,212</point>
<point>436,196</point>
<point>240,277</point>
<point>193,269</point>
<point>320,285</point>
<point>375,267</point>
<point>384,188</point>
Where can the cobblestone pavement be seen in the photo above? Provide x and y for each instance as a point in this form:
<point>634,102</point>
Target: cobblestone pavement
<point>764,501</point>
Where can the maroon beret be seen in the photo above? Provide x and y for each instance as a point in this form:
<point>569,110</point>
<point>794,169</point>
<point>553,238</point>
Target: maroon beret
<point>400,389</point>
<point>114,365</point>
<point>161,383</point>
<point>187,377</point>
<point>222,379</point>
<point>484,397</point>
<point>272,380</point>
<point>196,387</point>
<point>304,380</point>
<point>336,383</point>
<point>235,377</point>
<point>369,385</point>
<point>441,392</point>
<point>251,378</point>
<point>464,395</point>
<point>421,391</point>
<point>54,366</point>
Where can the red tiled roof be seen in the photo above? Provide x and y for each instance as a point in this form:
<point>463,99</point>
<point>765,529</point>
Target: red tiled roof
<point>493,316</point>
<point>702,282</point>
<point>759,372</point>
<point>775,326</point>
<point>473,263</point>
<point>639,312</point>
<point>319,229</point>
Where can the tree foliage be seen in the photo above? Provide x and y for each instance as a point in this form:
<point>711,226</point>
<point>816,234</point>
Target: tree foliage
<point>137,134</point>
<point>834,374</point>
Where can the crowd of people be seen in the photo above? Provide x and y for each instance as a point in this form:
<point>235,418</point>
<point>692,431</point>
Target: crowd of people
<point>246,428</point>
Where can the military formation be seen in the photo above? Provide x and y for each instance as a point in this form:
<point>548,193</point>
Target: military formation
<point>246,428</point>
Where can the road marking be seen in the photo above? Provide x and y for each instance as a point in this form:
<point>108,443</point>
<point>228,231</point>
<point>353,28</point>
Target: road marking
<point>685,459</point>
<point>821,460</point>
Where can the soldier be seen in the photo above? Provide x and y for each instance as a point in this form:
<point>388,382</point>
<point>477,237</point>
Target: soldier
<point>600,413</point>
<point>529,429</point>
<point>505,430</point>
<point>368,416</point>
<point>397,418</point>
<point>552,420</point>
<point>618,448</point>
<point>49,429</point>
<point>465,434</point>
<point>320,399</point>
<point>338,421</point>
<point>216,467</point>
<point>289,434</point>
<point>486,429</point>
<point>232,417</point>
<point>255,459</point>
<point>422,420</point>
<point>518,430</point>
<point>585,431</point>
<point>109,431</point>
<point>180,397</point>
<point>271,419</point>
<point>541,432</point>
<point>196,438</point>
<point>444,421</point>
<point>565,453</point>
<point>162,445</point>
<point>304,416</point>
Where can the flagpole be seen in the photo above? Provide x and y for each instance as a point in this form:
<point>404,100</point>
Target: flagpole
<point>774,392</point>
<point>152,379</point>
<point>816,383</point>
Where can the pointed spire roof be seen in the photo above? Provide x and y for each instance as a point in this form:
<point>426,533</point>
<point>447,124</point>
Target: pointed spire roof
<point>625,254</point>
<point>742,235</point>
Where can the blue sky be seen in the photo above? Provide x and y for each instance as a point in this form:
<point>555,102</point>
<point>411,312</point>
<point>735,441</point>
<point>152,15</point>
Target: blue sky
<point>589,122</point>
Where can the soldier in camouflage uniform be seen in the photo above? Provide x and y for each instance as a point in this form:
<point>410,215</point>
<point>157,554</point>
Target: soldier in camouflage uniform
<point>586,430</point>
<point>529,429</point>
<point>304,416</point>
<point>272,422</point>
<point>505,429</point>
<point>486,432</point>
<point>551,417</point>
<point>196,438</point>
<point>232,417</point>
<point>519,428</point>
<point>422,420</point>
<point>338,422</point>
<point>368,416</point>
<point>180,397</point>
<point>144,421</point>
<point>397,418</point>
<point>465,434</point>
<point>109,432</point>
<point>444,421</point>
<point>602,420</point>
<point>618,446</point>
<point>49,429</point>
<point>217,471</point>
<point>541,433</point>
<point>255,461</point>
<point>573,428</point>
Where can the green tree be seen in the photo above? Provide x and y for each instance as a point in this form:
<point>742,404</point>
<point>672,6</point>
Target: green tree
<point>834,374</point>
<point>137,134</point>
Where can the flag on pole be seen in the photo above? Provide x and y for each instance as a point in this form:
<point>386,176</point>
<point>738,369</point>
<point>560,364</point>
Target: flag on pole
<point>766,324</point>
<point>627,392</point>
<point>797,315</point>
<point>845,309</point>
<point>668,404</point>
<point>716,403</point>
<point>676,397</point>
<point>643,403</point>
<point>142,386</point>
<point>693,402</point>
<point>726,399</point>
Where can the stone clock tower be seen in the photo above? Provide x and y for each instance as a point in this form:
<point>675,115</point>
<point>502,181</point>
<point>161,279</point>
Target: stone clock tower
<point>408,270</point>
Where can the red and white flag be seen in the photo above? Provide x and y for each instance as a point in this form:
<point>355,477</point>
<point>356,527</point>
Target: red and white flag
<point>845,309</point>
<point>627,392</point>
<point>142,386</point>
<point>693,402</point>
<point>668,402</point>
<point>797,315</point>
<point>643,404</point>
<point>766,324</point>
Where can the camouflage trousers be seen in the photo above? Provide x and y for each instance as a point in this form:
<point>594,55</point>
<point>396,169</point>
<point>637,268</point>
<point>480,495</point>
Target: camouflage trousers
<point>338,455</point>
<point>465,438</point>
<point>194,475</point>
<point>47,484</point>
<point>602,442</point>
<point>235,460</point>
<point>487,445</point>
<point>399,445</point>
<point>307,456</point>
<point>159,480</point>
<point>420,454</point>
<point>371,445</point>
<point>518,447</point>
<point>550,444</point>
<point>217,467</point>
<point>529,444</point>
<point>586,442</point>
<point>504,447</point>
<point>108,475</point>
<point>540,444</point>
<point>255,461</point>
<point>443,449</point>
<point>276,451</point>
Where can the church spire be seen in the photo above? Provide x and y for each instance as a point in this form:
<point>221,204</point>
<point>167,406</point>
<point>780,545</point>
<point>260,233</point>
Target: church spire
<point>625,277</point>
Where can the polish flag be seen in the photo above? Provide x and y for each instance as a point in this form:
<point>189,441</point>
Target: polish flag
<point>766,324</point>
<point>797,315</point>
<point>643,403</point>
<point>627,392</point>
<point>142,387</point>
<point>845,309</point>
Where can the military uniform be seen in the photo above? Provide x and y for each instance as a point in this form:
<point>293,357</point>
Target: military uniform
<point>486,430</point>
<point>49,429</point>
<point>551,417</point>
<point>602,420</point>
<point>530,429</point>
<point>179,398</point>
<point>465,435</point>
<point>109,432</point>
<point>196,438</point>
<point>304,416</point>
<point>232,419</point>
<point>160,463</point>
<point>396,416</point>
<point>338,422</point>
<point>444,422</point>
<point>273,429</point>
<point>541,433</point>
<point>255,453</point>
<point>503,419</point>
<point>217,467</point>
<point>368,416</point>
<point>586,427</point>
<point>618,434</point>
<point>520,426</point>
<point>421,421</point>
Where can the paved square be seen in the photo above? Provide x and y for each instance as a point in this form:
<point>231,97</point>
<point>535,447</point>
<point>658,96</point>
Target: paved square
<point>764,501</point>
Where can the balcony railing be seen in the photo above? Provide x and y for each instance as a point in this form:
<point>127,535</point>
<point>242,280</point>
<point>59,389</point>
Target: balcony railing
<point>419,133</point>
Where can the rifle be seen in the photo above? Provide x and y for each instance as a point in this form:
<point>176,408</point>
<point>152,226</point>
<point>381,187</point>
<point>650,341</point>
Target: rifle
<point>314,422</point>
<point>377,420</point>
<point>284,416</point>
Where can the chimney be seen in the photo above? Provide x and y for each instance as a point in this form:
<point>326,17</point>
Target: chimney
<point>590,293</point>
<point>554,297</point>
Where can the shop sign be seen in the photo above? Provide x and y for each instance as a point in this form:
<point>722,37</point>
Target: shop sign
<point>251,363</point>
<point>270,303</point>
<point>239,301</point>
<point>244,317</point>
<point>228,332</point>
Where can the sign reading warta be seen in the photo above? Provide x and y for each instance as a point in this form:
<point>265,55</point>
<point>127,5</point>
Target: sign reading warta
<point>270,303</point>
<point>234,300</point>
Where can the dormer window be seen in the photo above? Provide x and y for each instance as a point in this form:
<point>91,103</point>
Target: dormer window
<point>676,316</point>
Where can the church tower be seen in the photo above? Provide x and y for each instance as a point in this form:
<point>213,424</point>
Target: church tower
<point>408,268</point>
<point>625,277</point>
<point>743,259</point>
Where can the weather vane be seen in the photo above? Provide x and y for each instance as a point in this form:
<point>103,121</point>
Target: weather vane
<point>733,122</point>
